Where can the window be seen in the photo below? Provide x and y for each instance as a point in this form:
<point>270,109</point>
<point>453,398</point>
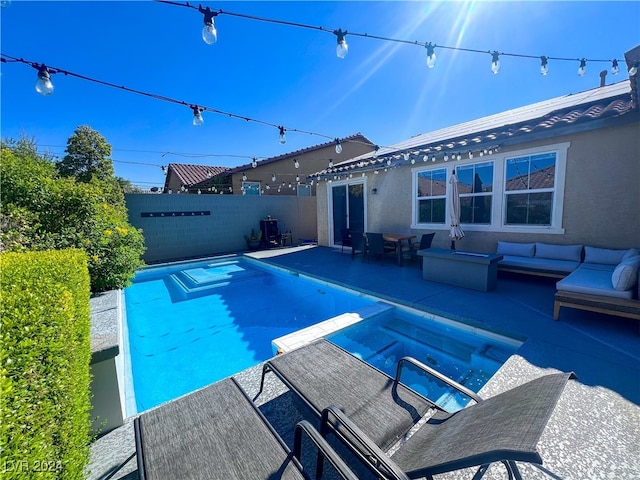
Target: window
<point>251,188</point>
<point>475,186</point>
<point>432,196</point>
<point>529,189</point>
<point>518,192</point>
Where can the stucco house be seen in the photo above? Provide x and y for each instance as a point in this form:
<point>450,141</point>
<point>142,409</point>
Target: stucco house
<point>287,174</point>
<point>565,170</point>
<point>184,178</point>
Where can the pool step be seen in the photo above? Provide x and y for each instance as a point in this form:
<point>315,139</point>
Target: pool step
<point>198,282</point>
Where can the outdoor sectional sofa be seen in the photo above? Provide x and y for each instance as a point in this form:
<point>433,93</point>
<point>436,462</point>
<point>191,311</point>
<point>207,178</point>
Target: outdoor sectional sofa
<point>591,278</point>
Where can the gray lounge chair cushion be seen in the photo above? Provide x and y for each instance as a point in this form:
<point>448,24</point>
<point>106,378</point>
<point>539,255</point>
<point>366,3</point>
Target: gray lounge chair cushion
<point>323,374</point>
<point>212,433</point>
<point>505,427</point>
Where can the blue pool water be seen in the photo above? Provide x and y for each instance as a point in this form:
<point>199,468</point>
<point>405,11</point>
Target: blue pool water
<point>191,324</point>
<point>467,356</point>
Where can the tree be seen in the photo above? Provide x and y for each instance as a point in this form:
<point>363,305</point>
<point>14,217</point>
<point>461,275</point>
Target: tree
<point>128,187</point>
<point>87,156</point>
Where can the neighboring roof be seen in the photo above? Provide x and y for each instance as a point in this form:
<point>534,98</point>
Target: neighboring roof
<point>190,175</point>
<point>493,131</point>
<point>357,137</point>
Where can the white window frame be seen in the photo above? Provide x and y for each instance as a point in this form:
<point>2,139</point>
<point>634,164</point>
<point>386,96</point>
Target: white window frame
<point>498,208</point>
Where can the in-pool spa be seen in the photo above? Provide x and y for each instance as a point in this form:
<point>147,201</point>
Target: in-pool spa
<point>467,355</point>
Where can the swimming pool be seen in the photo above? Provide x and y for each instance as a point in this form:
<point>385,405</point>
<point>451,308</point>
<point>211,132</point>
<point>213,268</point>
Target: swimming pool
<point>189,324</point>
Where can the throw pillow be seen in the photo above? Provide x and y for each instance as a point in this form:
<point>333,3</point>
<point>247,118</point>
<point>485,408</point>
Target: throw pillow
<point>606,256</point>
<point>625,275</point>
<point>516,249</point>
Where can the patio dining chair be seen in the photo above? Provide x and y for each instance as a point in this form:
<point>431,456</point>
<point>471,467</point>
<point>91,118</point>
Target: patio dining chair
<point>218,432</point>
<point>369,411</point>
<point>377,247</point>
<point>353,239</point>
<point>425,242</point>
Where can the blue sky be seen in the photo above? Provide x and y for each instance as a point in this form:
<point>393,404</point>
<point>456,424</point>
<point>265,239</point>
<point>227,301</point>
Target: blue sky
<point>288,76</point>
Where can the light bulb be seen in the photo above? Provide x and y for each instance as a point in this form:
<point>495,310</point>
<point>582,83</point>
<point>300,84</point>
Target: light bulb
<point>244,177</point>
<point>544,65</point>
<point>495,62</point>
<point>375,151</point>
<point>583,67</point>
<point>197,117</point>
<point>273,177</point>
<point>633,70</point>
<point>43,84</point>
<point>431,55</point>
<point>209,32</point>
<point>615,69</point>
<point>330,163</point>
<point>296,164</point>
<point>342,49</point>
<point>254,163</point>
<point>283,138</point>
<point>338,146</point>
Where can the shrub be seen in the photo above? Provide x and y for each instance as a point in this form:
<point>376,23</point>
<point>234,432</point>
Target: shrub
<point>44,364</point>
<point>41,211</point>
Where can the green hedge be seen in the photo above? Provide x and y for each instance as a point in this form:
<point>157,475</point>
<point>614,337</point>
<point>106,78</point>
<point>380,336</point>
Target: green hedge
<point>44,364</point>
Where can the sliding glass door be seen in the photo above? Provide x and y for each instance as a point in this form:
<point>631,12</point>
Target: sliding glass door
<point>347,209</point>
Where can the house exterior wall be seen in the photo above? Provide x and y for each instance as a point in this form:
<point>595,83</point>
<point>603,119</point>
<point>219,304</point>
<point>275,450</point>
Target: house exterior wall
<point>601,196</point>
<point>285,171</point>
<point>222,231</point>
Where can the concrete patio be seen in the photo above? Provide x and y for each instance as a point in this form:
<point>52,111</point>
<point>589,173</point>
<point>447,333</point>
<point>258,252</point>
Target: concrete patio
<point>594,432</point>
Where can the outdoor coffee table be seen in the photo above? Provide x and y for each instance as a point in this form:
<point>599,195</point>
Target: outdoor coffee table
<point>477,271</point>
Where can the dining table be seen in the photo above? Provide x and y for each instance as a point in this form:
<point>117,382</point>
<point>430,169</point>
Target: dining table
<point>397,239</point>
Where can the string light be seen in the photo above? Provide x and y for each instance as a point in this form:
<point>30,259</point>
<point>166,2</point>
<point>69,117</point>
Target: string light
<point>338,146</point>
<point>342,49</point>
<point>495,62</point>
<point>633,69</point>
<point>282,139</point>
<point>209,32</point>
<point>254,162</point>
<point>431,55</point>
<point>582,69</point>
<point>615,69</point>
<point>273,177</point>
<point>296,164</point>
<point>544,67</point>
<point>43,84</point>
<point>197,116</point>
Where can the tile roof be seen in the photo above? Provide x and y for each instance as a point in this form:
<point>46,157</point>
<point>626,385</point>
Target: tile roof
<point>603,102</point>
<point>357,137</point>
<point>190,175</point>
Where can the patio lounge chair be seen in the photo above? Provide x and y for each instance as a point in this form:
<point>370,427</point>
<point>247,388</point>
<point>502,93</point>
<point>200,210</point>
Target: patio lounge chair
<point>367,409</point>
<point>217,432</point>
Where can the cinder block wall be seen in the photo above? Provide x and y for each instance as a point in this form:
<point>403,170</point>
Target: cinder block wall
<point>181,234</point>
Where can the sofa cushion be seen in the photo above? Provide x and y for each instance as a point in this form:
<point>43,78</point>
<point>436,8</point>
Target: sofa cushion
<point>559,252</point>
<point>539,264</point>
<point>607,256</point>
<point>632,252</point>
<point>517,249</point>
<point>591,282</point>
<point>598,266</point>
<point>625,275</point>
